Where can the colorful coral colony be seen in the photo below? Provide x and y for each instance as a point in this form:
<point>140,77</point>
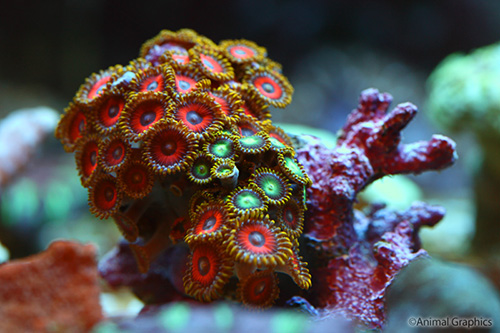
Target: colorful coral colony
<point>178,146</point>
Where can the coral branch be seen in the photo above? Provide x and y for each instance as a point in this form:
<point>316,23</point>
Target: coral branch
<point>379,135</point>
<point>354,284</point>
<point>436,154</point>
<point>418,215</point>
<point>368,148</point>
<point>357,256</point>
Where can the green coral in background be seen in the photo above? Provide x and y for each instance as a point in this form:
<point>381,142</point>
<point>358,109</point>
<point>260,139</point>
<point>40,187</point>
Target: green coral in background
<point>464,92</point>
<point>464,96</point>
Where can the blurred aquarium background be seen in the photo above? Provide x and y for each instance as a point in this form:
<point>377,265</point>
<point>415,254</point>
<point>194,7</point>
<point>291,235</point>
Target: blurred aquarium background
<point>330,51</point>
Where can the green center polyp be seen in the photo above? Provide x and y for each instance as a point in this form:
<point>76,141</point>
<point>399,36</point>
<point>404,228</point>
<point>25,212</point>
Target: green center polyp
<point>225,170</point>
<point>277,143</point>
<point>293,166</point>
<point>201,169</point>
<point>247,200</point>
<point>252,142</point>
<point>222,148</point>
<point>271,185</point>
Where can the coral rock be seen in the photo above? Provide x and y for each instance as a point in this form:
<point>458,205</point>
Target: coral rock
<point>56,290</point>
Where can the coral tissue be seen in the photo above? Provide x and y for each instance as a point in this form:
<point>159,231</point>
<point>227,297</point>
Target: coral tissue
<point>178,146</point>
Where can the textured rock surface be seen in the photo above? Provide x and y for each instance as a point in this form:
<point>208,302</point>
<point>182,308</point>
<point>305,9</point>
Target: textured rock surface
<point>353,255</point>
<point>56,290</point>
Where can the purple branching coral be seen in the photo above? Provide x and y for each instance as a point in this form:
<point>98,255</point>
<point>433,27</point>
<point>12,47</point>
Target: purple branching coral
<point>354,257</point>
<point>368,148</point>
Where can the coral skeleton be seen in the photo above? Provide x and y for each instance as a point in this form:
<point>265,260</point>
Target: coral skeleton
<point>357,254</point>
